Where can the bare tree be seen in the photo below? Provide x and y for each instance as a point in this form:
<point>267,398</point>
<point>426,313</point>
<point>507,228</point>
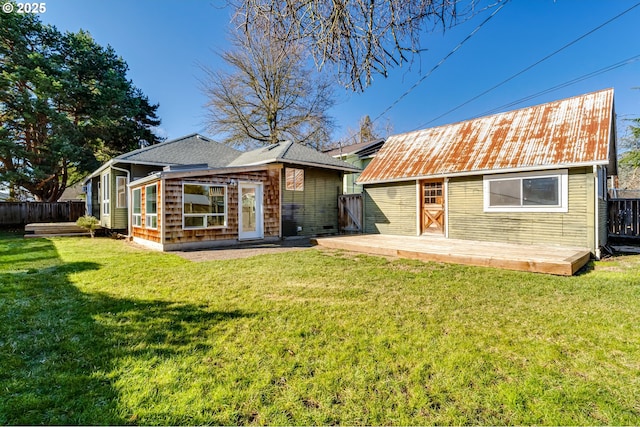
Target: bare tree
<point>272,93</point>
<point>359,37</point>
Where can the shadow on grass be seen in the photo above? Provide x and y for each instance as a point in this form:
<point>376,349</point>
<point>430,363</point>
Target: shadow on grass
<point>59,346</point>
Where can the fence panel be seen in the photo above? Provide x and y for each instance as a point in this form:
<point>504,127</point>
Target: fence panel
<point>624,217</point>
<point>350,213</point>
<point>22,213</point>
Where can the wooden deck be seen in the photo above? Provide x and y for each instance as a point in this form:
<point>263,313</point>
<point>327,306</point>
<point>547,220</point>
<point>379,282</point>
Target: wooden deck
<point>54,229</point>
<point>563,261</point>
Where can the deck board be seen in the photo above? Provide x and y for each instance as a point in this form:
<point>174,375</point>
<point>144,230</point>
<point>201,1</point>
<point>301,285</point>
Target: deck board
<point>564,261</point>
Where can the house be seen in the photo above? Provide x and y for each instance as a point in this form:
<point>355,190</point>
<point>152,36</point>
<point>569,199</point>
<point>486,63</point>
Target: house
<point>359,155</point>
<point>281,190</point>
<point>106,188</point>
<point>537,175</point>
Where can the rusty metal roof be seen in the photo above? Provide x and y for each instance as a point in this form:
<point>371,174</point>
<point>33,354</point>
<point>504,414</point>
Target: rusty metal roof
<point>573,131</point>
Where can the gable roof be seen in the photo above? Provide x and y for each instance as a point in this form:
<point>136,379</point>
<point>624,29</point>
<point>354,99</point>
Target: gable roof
<point>291,153</point>
<point>570,132</point>
<point>189,149</point>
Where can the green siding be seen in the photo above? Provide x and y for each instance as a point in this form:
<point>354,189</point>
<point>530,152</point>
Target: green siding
<point>603,218</point>
<point>316,208</point>
<point>390,209</point>
<point>576,227</point>
<point>350,185</point>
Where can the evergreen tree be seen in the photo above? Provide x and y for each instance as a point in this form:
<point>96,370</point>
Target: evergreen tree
<point>65,106</point>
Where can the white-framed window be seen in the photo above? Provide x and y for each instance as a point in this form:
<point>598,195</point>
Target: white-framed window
<point>294,179</point>
<point>136,208</point>
<point>151,206</point>
<point>106,190</point>
<point>204,205</point>
<point>546,191</point>
<point>121,192</point>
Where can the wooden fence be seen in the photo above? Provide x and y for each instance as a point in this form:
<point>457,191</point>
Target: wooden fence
<point>21,213</point>
<point>624,218</point>
<point>350,213</point>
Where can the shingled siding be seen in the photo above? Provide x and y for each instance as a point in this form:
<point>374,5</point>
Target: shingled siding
<point>174,233</point>
<point>390,209</point>
<point>315,209</point>
<point>143,232</point>
<point>573,228</point>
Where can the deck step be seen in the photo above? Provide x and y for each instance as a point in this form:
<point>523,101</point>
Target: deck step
<point>43,236</point>
<point>54,228</point>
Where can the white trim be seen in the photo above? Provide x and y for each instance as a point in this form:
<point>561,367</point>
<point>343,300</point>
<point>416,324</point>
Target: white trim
<point>563,183</point>
<point>133,207</point>
<point>204,215</point>
<point>105,196</point>
<point>259,232</point>
<point>146,214</point>
<point>124,188</point>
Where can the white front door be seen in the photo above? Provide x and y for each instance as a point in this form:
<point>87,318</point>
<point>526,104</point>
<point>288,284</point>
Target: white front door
<point>250,217</point>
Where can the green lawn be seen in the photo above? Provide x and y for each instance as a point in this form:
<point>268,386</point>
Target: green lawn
<point>99,332</point>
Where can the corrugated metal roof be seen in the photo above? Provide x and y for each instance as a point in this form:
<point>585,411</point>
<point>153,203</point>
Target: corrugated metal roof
<point>571,131</point>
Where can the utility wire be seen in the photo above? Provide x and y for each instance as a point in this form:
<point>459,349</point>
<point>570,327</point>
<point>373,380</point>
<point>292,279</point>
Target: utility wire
<point>561,85</point>
<point>441,62</point>
<point>530,66</point>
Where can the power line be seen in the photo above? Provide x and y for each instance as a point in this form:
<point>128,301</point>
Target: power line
<point>530,66</point>
<point>561,85</point>
<point>441,62</point>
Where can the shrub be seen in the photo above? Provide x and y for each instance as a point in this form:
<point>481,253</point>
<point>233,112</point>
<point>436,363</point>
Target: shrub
<point>89,223</point>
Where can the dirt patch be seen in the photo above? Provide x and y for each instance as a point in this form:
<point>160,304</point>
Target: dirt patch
<point>245,250</point>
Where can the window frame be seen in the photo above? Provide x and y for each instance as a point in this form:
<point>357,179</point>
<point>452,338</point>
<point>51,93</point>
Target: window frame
<point>206,215</point>
<point>297,179</point>
<point>136,218</point>
<point>563,191</point>
<point>106,194</point>
<point>147,215</point>
<point>121,190</point>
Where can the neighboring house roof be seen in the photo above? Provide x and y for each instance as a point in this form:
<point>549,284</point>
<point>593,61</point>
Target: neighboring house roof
<point>183,151</point>
<point>570,132</point>
<point>187,150</point>
<point>362,149</point>
<point>291,153</point>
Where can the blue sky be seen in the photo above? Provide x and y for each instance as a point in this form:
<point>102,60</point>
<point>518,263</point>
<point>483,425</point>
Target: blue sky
<point>164,41</point>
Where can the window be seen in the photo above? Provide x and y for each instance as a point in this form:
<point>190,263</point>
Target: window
<point>121,192</point>
<point>294,179</point>
<point>432,193</point>
<point>137,208</point>
<point>151,206</point>
<point>526,192</point>
<point>105,193</point>
<point>204,205</point>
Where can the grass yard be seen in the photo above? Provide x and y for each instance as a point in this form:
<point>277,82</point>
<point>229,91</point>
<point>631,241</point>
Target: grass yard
<point>99,332</point>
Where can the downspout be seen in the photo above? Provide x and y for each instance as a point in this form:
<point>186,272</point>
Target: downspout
<point>128,198</point>
<point>596,211</point>
<point>446,208</point>
<point>418,209</point>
